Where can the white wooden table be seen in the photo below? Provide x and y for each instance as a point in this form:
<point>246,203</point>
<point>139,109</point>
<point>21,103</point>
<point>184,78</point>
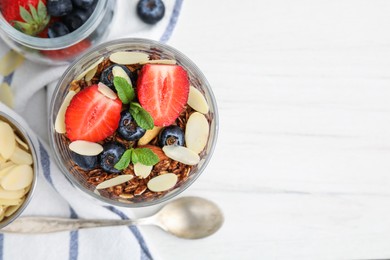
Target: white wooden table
<point>302,168</point>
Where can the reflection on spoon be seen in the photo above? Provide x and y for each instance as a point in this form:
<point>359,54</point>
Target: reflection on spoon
<point>186,217</point>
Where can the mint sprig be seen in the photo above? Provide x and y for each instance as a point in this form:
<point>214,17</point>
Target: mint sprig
<point>141,116</point>
<point>126,94</point>
<point>124,89</point>
<point>135,155</point>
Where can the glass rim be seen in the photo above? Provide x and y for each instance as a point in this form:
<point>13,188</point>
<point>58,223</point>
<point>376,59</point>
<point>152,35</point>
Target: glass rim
<point>87,58</point>
<point>60,42</point>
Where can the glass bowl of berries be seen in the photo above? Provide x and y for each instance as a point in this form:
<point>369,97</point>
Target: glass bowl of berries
<point>133,122</point>
<point>54,32</point>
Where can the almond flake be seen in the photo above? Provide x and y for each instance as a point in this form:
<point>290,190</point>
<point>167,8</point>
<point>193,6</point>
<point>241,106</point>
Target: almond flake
<point>197,132</point>
<point>149,135</point>
<point>12,209</point>
<point>166,61</point>
<point>197,101</point>
<point>181,154</point>
<point>21,157</point>
<point>142,170</point>
<point>7,140</point>
<point>17,178</point>
<point>127,57</point>
<point>86,148</point>
<point>114,181</point>
<point>11,194</point>
<point>59,124</point>
<point>91,74</point>
<point>162,182</point>
<point>5,164</point>
<point>10,202</point>
<point>6,168</point>
<point>21,143</point>
<point>95,64</point>
<point>106,91</point>
<point>119,72</point>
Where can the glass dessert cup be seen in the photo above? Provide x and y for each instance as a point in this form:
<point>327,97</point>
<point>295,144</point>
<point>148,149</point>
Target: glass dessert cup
<point>155,50</point>
<point>64,49</point>
<point>25,138</point>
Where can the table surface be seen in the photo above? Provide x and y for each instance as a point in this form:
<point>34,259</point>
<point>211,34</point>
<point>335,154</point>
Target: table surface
<point>301,169</point>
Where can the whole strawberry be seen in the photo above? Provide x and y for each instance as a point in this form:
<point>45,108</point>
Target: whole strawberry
<point>27,16</point>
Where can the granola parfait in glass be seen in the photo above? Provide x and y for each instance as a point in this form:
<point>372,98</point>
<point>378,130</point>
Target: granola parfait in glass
<point>133,122</point>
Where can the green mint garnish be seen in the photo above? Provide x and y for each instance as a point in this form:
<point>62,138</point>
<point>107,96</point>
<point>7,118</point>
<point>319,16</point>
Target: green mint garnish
<point>144,156</point>
<point>141,116</point>
<point>124,161</point>
<point>124,89</point>
<point>141,155</point>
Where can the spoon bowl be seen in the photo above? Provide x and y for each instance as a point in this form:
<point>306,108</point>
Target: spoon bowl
<point>190,217</point>
<point>186,217</point>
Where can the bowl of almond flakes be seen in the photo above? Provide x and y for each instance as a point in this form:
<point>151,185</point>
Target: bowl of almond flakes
<point>18,169</point>
<point>133,122</point>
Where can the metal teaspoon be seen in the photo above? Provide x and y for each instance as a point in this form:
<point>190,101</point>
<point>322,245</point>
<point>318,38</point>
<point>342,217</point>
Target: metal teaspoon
<point>186,217</point>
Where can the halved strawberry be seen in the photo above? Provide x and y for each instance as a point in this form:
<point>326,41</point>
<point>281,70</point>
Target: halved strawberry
<point>163,91</point>
<point>92,116</point>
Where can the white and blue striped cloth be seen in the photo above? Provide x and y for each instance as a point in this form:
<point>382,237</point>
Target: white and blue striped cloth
<point>54,195</point>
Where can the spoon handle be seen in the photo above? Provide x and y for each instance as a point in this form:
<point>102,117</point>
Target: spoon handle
<point>39,225</point>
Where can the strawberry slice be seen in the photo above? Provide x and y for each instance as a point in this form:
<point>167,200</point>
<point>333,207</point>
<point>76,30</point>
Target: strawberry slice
<point>92,116</point>
<point>163,91</point>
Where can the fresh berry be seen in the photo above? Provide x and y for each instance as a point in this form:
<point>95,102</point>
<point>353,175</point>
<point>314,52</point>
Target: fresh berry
<point>57,29</point>
<point>112,153</point>
<point>171,135</point>
<point>77,18</point>
<point>128,128</point>
<point>92,116</point>
<point>151,11</point>
<point>163,91</point>
<point>85,162</point>
<point>83,3</point>
<point>27,16</point>
<point>69,52</point>
<point>59,7</point>
<point>107,78</point>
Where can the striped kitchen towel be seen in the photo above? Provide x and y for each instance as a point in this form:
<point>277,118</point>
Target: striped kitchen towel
<point>19,80</point>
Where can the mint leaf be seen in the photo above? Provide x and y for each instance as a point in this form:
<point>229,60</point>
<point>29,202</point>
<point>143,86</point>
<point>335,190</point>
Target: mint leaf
<point>124,161</point>
<point>124,89</point>
<point>144,156</point>
<point>141,116</point>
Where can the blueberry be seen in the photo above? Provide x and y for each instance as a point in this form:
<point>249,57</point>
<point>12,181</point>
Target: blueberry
<point>57,29</point>
<point>150,11</point>
<point>128,128</point>
<point>83,3</point>
<point>112,153</point>
<point>85,162</point>
<point>107,78</point>
<point>76,19</point>
<point>59,7</point>
<point>171,135</point>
